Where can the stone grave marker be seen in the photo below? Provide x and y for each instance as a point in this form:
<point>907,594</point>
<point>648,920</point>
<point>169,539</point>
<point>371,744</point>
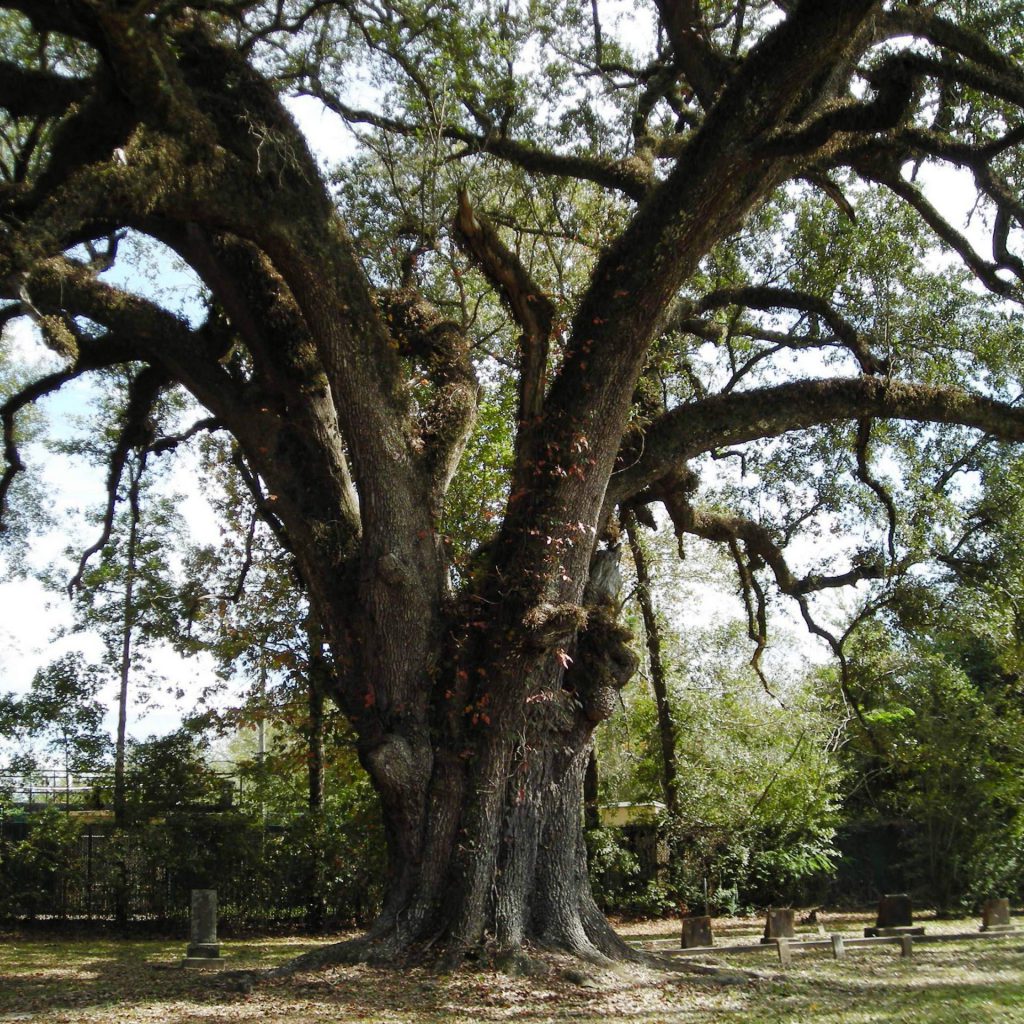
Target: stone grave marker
<point>995,916</point>
<point>697,932</point>
<point>895,911</point>
<point>780,924</point>
<point>203,946</point>
<point>895,917</point>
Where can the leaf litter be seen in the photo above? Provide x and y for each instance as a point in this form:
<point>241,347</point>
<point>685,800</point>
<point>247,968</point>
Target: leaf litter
<point>82,981</point>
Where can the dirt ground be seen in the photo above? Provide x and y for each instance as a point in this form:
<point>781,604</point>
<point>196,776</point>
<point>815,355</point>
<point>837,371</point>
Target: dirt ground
<point>67,981</point>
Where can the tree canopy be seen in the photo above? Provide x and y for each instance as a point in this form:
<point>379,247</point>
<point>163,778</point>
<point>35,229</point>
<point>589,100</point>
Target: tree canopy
<point>579,253</point>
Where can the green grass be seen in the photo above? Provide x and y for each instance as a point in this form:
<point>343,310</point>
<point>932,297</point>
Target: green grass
<point>77,980</point>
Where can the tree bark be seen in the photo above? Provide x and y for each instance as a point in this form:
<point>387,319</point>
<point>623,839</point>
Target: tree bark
<point>591,793</point>
<point>125,664</point>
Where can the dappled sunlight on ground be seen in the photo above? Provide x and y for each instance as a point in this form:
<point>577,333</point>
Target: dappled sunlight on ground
<point>137,982</point>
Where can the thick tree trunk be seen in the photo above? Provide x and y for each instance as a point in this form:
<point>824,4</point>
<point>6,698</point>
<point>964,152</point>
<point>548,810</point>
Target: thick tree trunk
<point>474,717</point>
<point>483,810</point>
<point>499,862</point>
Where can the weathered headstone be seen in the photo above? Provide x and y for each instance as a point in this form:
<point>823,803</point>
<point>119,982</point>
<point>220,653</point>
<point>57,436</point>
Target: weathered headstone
<point>203,945</point>
<point>838,947</point>
<point>895,911</point>
<point>780,924</point>
<point>785,953</point>
<point>697,932</point>
<point>906,945</point>
<point>995,916</point>
<point>895,917</point>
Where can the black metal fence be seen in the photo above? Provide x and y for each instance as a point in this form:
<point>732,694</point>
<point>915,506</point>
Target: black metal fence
<point>94,789</point>
<point>68,864</point>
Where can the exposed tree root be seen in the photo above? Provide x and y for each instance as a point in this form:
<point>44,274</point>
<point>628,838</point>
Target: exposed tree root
<point>530,960</point>
<point>711,973</point>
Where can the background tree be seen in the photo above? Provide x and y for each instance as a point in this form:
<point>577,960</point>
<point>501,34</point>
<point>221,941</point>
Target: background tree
<point>936,669</point>
<point>123,583</point>
<point>63,712</point>
<point>245,602</point>
<point>761,785</point>
<point>657,242</point>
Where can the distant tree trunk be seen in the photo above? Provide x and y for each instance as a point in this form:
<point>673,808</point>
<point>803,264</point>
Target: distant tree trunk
<point>127,629</point>
<point>121,895</point>
<point>667,732</point>
<point>591,793</point>
<point>316,681</point>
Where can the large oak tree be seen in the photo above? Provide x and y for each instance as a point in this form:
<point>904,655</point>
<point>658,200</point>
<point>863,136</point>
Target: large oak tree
<point>542,204</point>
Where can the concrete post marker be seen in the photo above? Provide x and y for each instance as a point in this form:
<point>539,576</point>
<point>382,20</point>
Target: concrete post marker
<point>203,946</point>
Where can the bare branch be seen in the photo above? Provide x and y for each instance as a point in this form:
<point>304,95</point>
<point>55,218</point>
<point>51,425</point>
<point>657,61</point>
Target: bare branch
<point>942,480</point>
<point>1006,84</point>
<point>984,270</point>
<point>822,181</point>
<point>261,503</point>
<point>757,614</point>
<point>8,412</point>
<point>631,177</point>
<point>760,549</point>
<point>925,23</point>
<point>92,355</point>
<point>765,298</point>
<point>170,443</point>
<point>704,68</point>
<point>758,543</point>
<point>247,559</point>
<point>598,42</point>
<point>137,328</point>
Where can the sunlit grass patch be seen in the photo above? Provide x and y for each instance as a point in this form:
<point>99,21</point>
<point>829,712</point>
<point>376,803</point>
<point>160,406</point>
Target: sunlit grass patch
<point>81,981</point>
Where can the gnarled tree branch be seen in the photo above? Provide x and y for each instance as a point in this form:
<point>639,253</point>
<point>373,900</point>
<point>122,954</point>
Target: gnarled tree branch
<point>865,475</point>
<point>32,92</point>
<point>771,298</point>
<point>628,176</point>
<point>722,420</point>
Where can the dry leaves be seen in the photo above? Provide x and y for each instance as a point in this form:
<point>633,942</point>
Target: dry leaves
<point>141,982</point>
